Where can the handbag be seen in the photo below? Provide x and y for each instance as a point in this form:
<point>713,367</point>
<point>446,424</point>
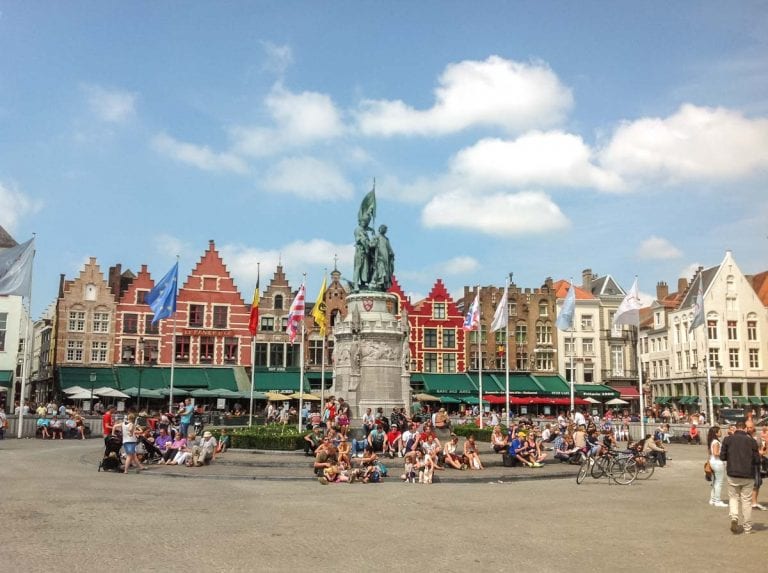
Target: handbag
<point>708,471</point>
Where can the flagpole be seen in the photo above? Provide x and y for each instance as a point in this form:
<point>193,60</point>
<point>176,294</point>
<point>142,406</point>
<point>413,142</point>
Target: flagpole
<point>573,351</point>
<point>480,353</point>
<point>173,344</point>
<point>253,372</point>
<point>27,346</point>
<point>710,406</point>
<point>640,379</point>
<point>301,361</point>
<point>506,349</point>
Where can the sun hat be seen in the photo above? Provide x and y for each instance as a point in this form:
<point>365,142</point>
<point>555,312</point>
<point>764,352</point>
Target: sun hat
<point>207,435</point>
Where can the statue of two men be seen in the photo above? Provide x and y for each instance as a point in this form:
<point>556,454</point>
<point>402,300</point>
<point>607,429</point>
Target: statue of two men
<point>374,258</point>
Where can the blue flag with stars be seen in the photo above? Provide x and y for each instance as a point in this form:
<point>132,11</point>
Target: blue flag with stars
<point>162,298</point>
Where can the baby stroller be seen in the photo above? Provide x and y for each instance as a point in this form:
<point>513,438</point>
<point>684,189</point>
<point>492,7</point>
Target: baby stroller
<point>111,460</point>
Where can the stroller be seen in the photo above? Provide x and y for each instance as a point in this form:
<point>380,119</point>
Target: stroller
<point>111,460</point>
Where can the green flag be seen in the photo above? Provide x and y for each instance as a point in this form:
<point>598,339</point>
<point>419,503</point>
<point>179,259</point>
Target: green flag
<point>368,206</point>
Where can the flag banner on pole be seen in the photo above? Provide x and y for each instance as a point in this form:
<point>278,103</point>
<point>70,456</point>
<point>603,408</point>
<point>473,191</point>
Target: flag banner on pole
<point>473,316</point>
<point>629,309</point>
<point>162,298</point>
<point>698,308</point>
<point>253,320</point>
<point>295,315</point>
<point>16,269</point>
<point>501,316</point>
<point>565,318</point>
<point>318,311</point>
<point>368,206</point>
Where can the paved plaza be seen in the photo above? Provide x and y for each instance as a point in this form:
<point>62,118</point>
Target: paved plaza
<point>263,512</point>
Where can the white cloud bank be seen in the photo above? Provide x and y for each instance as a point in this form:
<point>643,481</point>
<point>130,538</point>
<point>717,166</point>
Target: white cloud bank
<point>495,92</point>
<point>658,248</point>
<point>309,178</point>
<point>497,214</point>
<point>199,156</point>
<point>110,105</point>
<point>14,206</point>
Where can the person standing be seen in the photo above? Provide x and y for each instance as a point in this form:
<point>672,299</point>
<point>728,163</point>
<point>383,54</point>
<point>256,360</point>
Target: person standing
<point>750,425</point>
<point>718,467</point>
<point>739,450</point>
<point>186,417</point>
<point>129,443</point>
<point>108,421</point>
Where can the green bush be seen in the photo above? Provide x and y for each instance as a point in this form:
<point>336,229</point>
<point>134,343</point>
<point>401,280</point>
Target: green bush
<point>465,430</point>
<point>269,437</point>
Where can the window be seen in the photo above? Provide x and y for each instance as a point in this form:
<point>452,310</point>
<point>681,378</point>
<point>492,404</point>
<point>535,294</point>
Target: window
<point>714,357</point>
<point>267,323</point>
<point>430,362</point>
<point>657,319</point>
<point>182,349</point>
<point>220,316</point>
<point>512,308</point>
<point>543,309</point>
<point>316,352</point>
<point>732,330</point>
<point>207,345</point>
<point>544,361</point>
<point>733,358</point>
<point>77,321</point>
<point>130,323</point>
<point>74,351</point>
<point>677,334</point>
<point>128,354</point>
<point>521,360</point>
<point>150,328</point>
<point>292,352</point>
<point>449,338</point>
<point>276,354</point>
<point>438,310</point>
<point>501,336</point>
<point>589,374</point>
<point>3,328</point>
<point>751,330</point>
<point>543,334</point>
<point>586,322</point>
<point>284,324</point>
<point>196,315</point>
<point>521,333</point>
<point>712,329</point>
<point>679,360</point>
<point>430,338</point>
<point>141,296</point>
<point>209,283</point>
<point>151,352</point>
<point>278,302</point>
<point>615,328</point>
<point>500,358</point>
<point>483,335</point>
<point>99,351</point>
<point>617,360</point>
<point>570,347</point>
<point>570,373</point>
<point>449,362</point>
<point>588,346</point>
<point>754,358</point>
<point>101,322</point>
<point>260,354</point>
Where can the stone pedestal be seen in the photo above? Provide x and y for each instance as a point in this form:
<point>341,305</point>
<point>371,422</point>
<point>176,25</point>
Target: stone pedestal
<point>371,355</point>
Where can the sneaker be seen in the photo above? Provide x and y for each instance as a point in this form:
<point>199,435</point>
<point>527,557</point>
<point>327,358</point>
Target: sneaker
<point>735,527</point>
<point>759,506</point>
<point>324,481</point>
<point>720,504</point>
<point>538,465</point>
<point>711,502</point>
<point>748,532</point>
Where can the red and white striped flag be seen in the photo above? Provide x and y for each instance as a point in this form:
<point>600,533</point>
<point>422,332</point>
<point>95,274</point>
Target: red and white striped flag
<point>296,314</point>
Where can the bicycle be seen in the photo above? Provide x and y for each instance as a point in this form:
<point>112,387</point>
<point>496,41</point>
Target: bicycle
<point>620,467</point>
<point>646,464</point>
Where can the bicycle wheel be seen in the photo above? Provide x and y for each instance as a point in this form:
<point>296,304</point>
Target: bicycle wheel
<point>583,471</point>
<point>599,467</point>
<point>645,467</point>
<point>623,471</point>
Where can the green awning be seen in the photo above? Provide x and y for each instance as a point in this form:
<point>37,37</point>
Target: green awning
<point>5,378</point>
<point>80,376</point>
<point>553,385</point>
<point>739,400</point>
<point>472,400</point>
<point>256,395</point>
<point>449,384</point>
<point>765,399</point>
<point>190,377</point>
<point>595,391</point>
<point>221,379</point>
<point>716,400</point>
<point>203,393</point>
<point>145,392</point>
<point>725,400</point>
<point>148,377</point>
<point>519,384</point>
<point>491,385</point>
<point>662,400</point>
<point>449,400</point>
<point>282,382</point>
<point>755,400</point>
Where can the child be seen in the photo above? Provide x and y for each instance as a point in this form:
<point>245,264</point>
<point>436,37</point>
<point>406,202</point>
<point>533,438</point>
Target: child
<point>331,474</point>
<point>411,466</point>
<point>344,450</point>
<point>425,474</point>
<point>223,444</point>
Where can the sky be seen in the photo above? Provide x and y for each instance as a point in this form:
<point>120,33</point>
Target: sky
<point>538,138</point>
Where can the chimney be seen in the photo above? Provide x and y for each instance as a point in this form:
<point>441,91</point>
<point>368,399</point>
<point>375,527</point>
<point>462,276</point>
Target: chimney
<point>682,284</point>
<point>586,280</point>
<point>662,290</point>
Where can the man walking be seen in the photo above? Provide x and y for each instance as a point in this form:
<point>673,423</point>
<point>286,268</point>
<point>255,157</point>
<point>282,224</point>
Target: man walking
<point>740,451</point>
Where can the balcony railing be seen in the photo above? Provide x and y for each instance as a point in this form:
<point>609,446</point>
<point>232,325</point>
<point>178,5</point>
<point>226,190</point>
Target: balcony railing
<point>612,374</point>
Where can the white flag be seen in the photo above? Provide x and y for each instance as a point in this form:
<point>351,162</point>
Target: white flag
<point>501,316</point>
<point>16,269</point>
<point>473,316</point>
<point>565,317</point>
<point>629,309</point>
<point>698,308</point>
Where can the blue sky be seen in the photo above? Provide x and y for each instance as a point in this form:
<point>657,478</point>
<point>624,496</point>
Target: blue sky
<point>540,138</point>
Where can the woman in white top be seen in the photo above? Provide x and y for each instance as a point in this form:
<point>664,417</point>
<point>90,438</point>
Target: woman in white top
<point>129,443</point>
<point>718,467</point>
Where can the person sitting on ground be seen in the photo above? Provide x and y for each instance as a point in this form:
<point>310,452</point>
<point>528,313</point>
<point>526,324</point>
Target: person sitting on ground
<point>428,468</point>
<point>692,437</point>
<point>546,433</point>
<point>451,457</point>
<point>411,465</point>
<point>565,450</point>
<point>442,420</point>
<point>163,442</point>
<point>394,444</point>
<point>381,419</point>
<point>185,453</point>
<point>653,449</point>
<point>312,440</point>
<point>377,439</point>
<point>56,428</point>
<point>325,455</point>
<point>42,425</point>
<point>147,440</point>
<point>593,443</point>
<point>223,442</point>
<point>204,453</point>
<point>471,453</point>
<point>534,446</point>
<point>520,451</point>
<point>332,474</point>
<point>499,441</point>
<point>369,463</point>
<point>431,446</point>
<point>344,451</point>
<point>178,445</point>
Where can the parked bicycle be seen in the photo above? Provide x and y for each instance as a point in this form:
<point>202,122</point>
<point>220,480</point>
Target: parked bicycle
<point>620,467</point>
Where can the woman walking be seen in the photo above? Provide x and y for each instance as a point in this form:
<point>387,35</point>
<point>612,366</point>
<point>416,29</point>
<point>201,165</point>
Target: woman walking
<point>129,443</point>
<point>718,467</point>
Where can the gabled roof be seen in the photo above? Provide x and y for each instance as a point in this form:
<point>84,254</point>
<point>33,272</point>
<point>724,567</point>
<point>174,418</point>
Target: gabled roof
<point>606,286</point>
<point>705,275</point>
<point>760,284</point>
<point>561,290</point>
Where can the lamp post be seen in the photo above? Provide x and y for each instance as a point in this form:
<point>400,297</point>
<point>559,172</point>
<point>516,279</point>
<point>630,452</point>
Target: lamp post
<point>92,378</point>
<point>140,365</point>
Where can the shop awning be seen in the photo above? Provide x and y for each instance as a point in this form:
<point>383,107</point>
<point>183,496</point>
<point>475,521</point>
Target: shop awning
<point>5,378</point>
<point>553,385</point>
<point>755,400</point>
<point>449,400</point>
<point>765,399</point>
<point>739,400</point>
<point>449,384</point>
<point>725,400</point>
<point>221,379</point>
<point>472,400</point>
<point>81,376</point>
<point>595,391</point>
<point>662,399</point>
<point>281,382</point>
<point>628,392</point>
<point>519,384</point>
<point>148,377</point>
<point>716,401</point>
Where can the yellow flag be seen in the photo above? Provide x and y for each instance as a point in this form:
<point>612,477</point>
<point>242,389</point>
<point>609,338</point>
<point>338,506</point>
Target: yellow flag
<point>318,311</point>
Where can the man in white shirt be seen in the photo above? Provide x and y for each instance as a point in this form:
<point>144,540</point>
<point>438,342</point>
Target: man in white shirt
<point>578,419</point>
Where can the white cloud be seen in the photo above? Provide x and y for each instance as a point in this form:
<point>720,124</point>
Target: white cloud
<point>300,119</point>
<point>15,206</point>
<point>689,271</point>
<point>309,178</point>
<point>457,266</point>
<point>199,156</point>
<point>495,214</point>
<point>495,92</point>
<point>536,158</point>
<point>696,143</point>
<point>658,248</point>
<point>171,246</point>
<point>297,257</point>
<point>278,57</point>
<point>111,105</point>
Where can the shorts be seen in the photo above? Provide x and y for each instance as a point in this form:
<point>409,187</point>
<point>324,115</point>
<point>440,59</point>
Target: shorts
<point>130,448</point>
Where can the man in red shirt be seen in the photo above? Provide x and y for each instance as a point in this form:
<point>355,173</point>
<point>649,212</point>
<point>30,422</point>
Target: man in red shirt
<point>107,422</point>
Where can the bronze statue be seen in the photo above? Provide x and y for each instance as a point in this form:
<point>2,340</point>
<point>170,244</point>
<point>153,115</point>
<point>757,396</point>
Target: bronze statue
<point>374,258</point>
